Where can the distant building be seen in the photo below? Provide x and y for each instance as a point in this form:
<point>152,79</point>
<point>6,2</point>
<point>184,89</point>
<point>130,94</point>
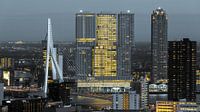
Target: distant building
<point>85,41</point>
<point>21,78</point>
<point>125,44</point>
<point>126,101</point>
<point>159,26</point>
<point>25,105</point>
<point>170,106</point>
<point>7,77</point>
<point>1,93</point>
<point>182,70</point>
<point>6,63</point>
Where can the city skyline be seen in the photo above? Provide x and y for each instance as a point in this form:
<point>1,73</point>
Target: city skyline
<point>103,55</point>
<point>32,25</point>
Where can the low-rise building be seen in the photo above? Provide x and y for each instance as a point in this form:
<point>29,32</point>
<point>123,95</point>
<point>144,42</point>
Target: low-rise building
<point>126,101</point>
<point>171,106</point>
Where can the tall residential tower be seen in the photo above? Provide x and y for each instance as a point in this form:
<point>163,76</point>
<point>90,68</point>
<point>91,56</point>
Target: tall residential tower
<point>182,70</point>
<point>125,43</point>
<point>159,24</point>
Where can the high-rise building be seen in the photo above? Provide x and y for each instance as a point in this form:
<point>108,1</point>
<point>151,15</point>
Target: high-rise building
<point>125,43</point>
<point>85,41</point>
<point>182,70</point>
<point>105,53</point>
<point>159,23</point>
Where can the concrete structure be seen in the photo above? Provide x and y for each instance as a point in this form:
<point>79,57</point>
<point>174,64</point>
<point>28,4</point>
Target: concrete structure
<point>198,86</point>
<point>126,101</point>
<point>102,86</point>
<point>170,106</point>
<point>182,70</point>
<point>21,78</point>
<point>159,24</point>
<point>25,105</point>
<point>1,93</point>
<point>141,88</point>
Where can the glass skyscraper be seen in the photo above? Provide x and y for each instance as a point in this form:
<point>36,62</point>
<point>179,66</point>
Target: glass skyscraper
<point>85,41</point>
<point>105,53</point>
<point>159,24</point>
<point>125,43</point>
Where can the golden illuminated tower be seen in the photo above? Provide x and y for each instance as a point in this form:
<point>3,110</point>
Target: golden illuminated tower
<point>104,54</point>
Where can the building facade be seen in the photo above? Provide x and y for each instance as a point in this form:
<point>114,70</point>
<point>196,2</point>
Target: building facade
<point>125,43</point>
<point>198,86</point>
<point>105,51</point>
<point>159,24</point>
<point>85,41</point>
<point>182,70</point>
<point>126,101</point>
<point>170,106</point>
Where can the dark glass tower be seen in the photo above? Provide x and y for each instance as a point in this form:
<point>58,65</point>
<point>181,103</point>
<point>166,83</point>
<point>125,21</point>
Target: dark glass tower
<point>182,70</point>
<point>125,43</point>
<point>85,41</point>
<point>159,24</point>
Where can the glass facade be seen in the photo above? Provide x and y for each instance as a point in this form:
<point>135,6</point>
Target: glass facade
<point>159,24</point>
<point>105,54</point>
<point>125,43</point>
<point>85,41</point>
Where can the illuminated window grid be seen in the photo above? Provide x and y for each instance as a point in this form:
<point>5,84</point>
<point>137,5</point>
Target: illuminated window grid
<point>105,51</point>
<point>126,101</point>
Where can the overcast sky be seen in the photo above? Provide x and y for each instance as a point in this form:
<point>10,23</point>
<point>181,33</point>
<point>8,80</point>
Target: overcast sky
<point>26,19</point>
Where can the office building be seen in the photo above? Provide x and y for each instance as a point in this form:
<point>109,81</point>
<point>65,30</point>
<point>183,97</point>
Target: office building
<point>171,106</point>
<point>125,43</point>
<point>105,52</point>
<point>85,41</point>
<point>126,101</point>
<point>106,71</point>
<point>182,70</point>
<point>159,24</point>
